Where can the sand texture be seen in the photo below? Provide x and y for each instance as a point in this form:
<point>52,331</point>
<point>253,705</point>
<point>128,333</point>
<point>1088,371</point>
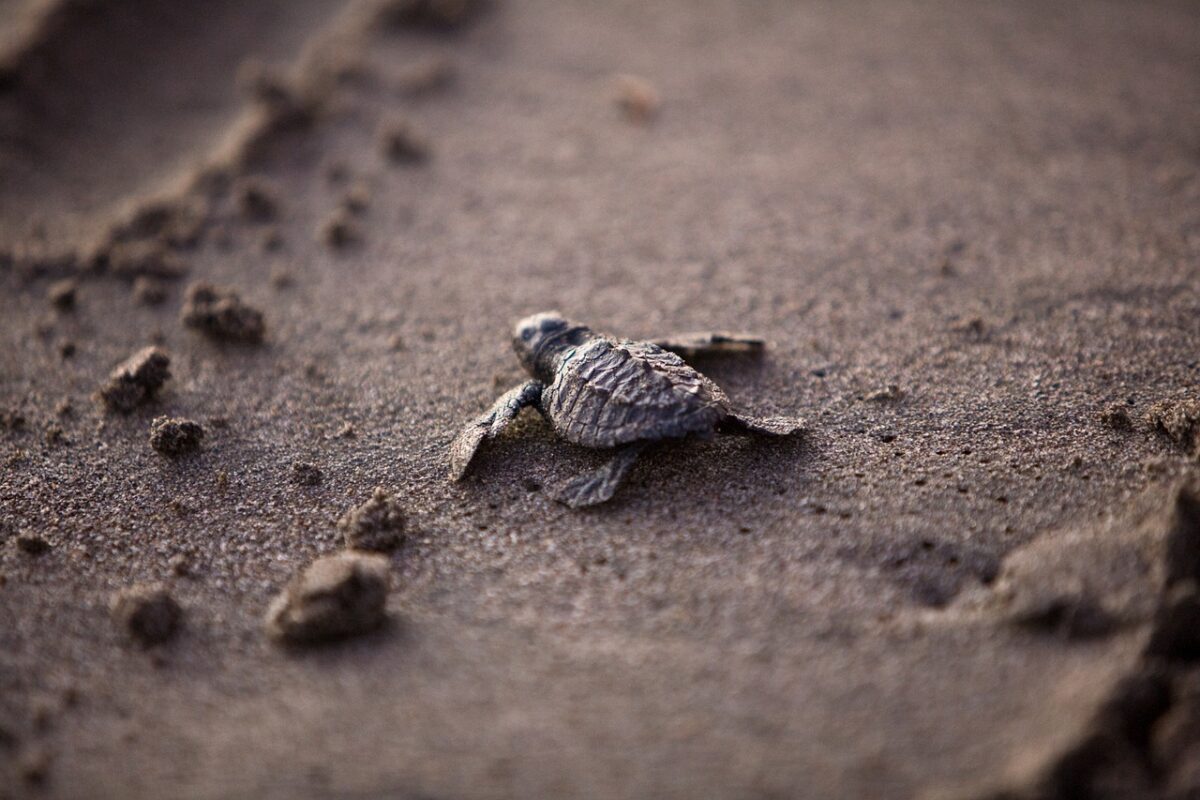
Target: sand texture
<point>969,234</point>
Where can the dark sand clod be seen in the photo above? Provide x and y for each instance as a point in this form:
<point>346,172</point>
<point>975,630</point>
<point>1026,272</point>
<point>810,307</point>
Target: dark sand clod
<point>637,98</point>
<point>257,200</point>
<point>149,291</point>
<point>146,613</point>
<point>1117,417</point>
<point>334,597</point>
<point>32,544</point>
<point>35,762</point>
<point>378,524</point>
<point>137,380</point>
<point>401,143</point>
<point>221,314</point>
<point>305,473</point>
<point>1178,420</point>
<point>357,198</point>
<point>175,436</point>
<point>339,230</point>
<point>63,294</point>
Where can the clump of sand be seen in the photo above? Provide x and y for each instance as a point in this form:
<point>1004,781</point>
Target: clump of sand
<point>334,597</point>
<point>306,474</point>
<point>32,544</point>
<point>257,199</point>
<point>378,524</point>
<point>63,294</point>
<point>1117,417</point>
<point>339,229</point>
<point>221,314</point>
<point>402,144</point>
<point>149,291</point>
<point>637,98</point>
<point>1178,420</point>
<point>146,612</point>
<point>175,437</point>
<point>136,380</point>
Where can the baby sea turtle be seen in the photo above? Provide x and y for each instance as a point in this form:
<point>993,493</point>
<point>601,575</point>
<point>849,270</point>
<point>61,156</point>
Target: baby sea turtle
<point>623,395</point>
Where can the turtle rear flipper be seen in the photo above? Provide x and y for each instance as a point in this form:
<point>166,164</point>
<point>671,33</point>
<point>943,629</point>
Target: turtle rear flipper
<point>761,426</point>
<point>593,488</point>
<point>710,343</point>
<point>488,424</point>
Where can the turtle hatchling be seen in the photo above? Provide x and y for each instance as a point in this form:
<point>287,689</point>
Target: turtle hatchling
<point>618,395</point>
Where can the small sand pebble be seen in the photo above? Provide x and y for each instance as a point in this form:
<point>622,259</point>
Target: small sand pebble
<point>55,435</point>
<point>378,524</point>
<point>146,612</point>
<point>306,474</point>
<point>271,90</point>
<point>271,241</point>
<point>12,419</point>
<point>63,294</point>
<point>1178,420</point>
<point>975,326</point>
<point>281,278</point>
<point>636,97</point>
<point>32,544</point>
<point>180,565</point>
<point>888,393</point>
<point>148,291</point>
<point>357,198</point>
<point>136,380</point>
<point>337,172</point>
<point>401,143</point>
<point>334,597</point>
<point>66,349</point>
<point>1116,417</point>
<point>34,765</point>
<point>257,200</point>
<point>221,314</point>
<point>175,437</point>
<point>339,230</point>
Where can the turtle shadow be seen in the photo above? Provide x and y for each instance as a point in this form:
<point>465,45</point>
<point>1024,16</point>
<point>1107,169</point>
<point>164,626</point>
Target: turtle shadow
<point>392,631</point>
<point>725,471</point>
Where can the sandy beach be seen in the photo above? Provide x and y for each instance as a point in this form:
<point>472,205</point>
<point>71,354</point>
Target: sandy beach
<point>970,235</point>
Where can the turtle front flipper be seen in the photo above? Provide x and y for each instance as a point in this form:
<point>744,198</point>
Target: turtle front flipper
<point>761,426</point>
<point>593,488</point>
<point>710,343</point>
<point>488,424</point>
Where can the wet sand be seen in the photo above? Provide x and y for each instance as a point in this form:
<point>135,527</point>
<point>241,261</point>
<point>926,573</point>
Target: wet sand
<point>991,209</point>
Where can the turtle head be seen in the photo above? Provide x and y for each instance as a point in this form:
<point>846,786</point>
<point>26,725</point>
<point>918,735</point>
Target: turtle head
<point>541,340</point>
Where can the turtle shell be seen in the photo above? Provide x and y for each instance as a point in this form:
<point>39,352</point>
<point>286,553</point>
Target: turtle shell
<point>606,393</point>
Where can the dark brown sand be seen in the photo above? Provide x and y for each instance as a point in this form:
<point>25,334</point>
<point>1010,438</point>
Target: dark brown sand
<point>969,232</point>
